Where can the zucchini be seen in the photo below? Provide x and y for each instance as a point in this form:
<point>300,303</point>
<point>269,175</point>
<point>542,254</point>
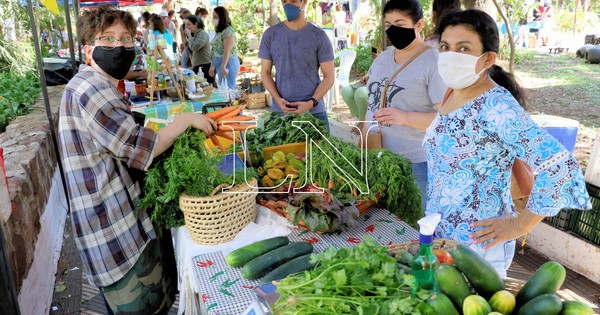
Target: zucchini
<point>546,280</point>
<point>481,275</point>
<point>295,265</point>
<point>452,283</point>
<point>262,264</point>
<point>545,304</point>
<point>441,304</point>
<point>242,255</point>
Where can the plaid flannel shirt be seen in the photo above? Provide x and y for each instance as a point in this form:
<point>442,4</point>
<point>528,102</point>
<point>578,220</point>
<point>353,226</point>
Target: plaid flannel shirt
<point>95,126</point>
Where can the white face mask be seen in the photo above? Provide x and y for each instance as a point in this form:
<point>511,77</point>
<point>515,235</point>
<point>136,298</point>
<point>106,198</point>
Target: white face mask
<point>215,22</point>
<point>458,70</point>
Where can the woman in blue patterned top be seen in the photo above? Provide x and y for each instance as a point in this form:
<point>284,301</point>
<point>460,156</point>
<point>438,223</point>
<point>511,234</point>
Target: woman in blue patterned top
<point>480,130</point>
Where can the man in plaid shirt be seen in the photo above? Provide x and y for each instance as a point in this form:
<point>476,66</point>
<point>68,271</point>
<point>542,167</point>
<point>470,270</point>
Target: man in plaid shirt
<point>100,143</point>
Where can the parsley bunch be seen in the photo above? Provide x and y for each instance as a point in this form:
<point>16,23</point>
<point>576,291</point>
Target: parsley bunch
<point>185,168</point>
<point>362,279</point>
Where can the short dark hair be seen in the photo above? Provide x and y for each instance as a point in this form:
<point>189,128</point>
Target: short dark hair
<point>196,21</point>
<point>487,31</point>
<point>95,21</point>
<point>412,8</point>
<point>224,19</point>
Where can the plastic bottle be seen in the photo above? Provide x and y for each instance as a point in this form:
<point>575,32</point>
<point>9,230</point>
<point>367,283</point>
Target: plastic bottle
<point>162,82</point>
<point>423,264</point>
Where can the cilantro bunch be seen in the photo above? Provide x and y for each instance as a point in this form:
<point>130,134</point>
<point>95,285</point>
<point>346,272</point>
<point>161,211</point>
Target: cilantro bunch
<point>362,279</point>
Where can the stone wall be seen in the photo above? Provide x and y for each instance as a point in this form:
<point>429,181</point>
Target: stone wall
<point>30,161</point>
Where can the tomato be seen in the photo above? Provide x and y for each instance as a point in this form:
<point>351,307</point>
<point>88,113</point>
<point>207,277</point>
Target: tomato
<point>443,256</point>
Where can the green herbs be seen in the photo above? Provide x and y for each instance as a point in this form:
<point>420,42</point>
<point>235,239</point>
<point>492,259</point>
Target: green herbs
<point>186,168</point>
<point>276,129</point>
<point>362,279</point>
<point>17,94</point>
<point>389,177</point>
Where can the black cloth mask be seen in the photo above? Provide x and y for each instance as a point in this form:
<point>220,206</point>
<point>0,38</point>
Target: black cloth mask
<point>400,37</point>
<point>115,61</point>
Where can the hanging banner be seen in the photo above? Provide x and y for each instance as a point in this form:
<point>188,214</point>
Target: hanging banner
<point>51,5</point>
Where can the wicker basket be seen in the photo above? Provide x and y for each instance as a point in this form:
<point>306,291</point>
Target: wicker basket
<point>219,217</point>
<point>442,243</point>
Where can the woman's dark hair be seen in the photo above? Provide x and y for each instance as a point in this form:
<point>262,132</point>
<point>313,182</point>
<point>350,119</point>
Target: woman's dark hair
<point>157,23</point>
<point>146,17</point>
<point>411,8</point>
<point>196,21</point>
<point>200,11</point>
<point>481,23</point>
<point>94,22</point>
<point>441,8</point>
<point>224,19</point>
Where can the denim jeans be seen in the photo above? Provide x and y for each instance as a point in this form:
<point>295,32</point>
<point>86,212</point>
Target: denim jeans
<point>323,116</point>
<point>499,256</point>
<point>233,67</point>
<point>420,172</point>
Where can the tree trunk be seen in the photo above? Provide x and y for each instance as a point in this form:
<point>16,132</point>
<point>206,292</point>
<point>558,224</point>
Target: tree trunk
<point>511,42</point>
<point>273,8</point>
<point>484,5</point>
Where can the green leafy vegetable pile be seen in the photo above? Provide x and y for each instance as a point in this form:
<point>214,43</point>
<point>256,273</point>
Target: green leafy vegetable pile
<point>185,168</point>
<point>17,94</point>
<point>389,177</point>
<point>275,128</point>
<point>362,279</point>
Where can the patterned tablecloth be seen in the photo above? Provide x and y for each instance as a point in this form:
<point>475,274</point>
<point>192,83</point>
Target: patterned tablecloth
<point>225,291</point>
<point>161,110</point>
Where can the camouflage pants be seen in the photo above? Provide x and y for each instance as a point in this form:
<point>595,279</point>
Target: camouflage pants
<point>150,286</point>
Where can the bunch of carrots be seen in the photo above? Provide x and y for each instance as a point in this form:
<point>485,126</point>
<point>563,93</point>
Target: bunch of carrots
<point>231,115</point>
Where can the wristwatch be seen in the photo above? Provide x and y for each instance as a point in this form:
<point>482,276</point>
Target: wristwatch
<point>315,101</point>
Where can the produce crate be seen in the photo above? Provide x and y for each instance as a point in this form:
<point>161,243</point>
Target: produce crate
<point>256,100</point>
<point>297,147</point>
<point>587,223</point>
<point>561,220</point>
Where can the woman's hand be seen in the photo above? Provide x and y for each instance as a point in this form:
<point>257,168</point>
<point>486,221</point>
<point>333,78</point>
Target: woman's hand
<point>498,230</point>
<point>224,70</point>
<point>188,33</point>
<point>201,122</point>
<point>390,116</point>
<point>211,70</point>
<point>364,79</point>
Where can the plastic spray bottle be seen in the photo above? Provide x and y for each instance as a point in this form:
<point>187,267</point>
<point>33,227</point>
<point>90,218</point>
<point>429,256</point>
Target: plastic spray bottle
<point>424,263</point>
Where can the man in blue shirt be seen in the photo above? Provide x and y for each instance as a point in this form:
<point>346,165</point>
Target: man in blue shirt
<point>297,49</point>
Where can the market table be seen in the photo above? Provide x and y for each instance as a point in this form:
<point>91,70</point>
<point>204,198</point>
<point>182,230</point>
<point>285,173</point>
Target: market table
<point>161,110</point>
<point>207,285</point>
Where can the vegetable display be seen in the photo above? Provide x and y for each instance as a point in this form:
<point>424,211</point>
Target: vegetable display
<point>362,279</point>
<point>261,265</point>
<point>184,168</point>
<point>241,256</point>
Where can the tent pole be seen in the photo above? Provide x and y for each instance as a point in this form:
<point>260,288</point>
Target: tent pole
<point>8,295</point>
<point>40,62</point>
<point>70,34</point>
<point>76,9</point>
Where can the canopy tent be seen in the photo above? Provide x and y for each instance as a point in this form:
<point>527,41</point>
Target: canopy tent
<point>121,3</point>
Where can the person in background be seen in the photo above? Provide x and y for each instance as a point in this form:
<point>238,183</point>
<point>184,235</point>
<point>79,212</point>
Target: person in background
<point>547,22</point>
<point>159,29</point>
<point>199,44</point>
<point>171,20</point>
<point>298,50</point>
<point>101,149</point>
<point>439,9</point>
<point>327,17</point>
<point>412,95</point>
<point>356,96</point>
<point>225,62</point>
<point>183,50</point>
<point>203,14</point>
<point>479,132</point>
<point>339,21</point>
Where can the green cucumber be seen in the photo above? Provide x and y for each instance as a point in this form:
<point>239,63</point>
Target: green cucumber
<point>452,283</point>
<point>503,302</point>
<point>545,304</point>
<point>242,255</point>
<point>480,273</point>
<point>476,305</point>
<point>295,265</point>
<point>546,280</point>
<point>441,304</point>
<point>576,308</point>
<point>262,264</point>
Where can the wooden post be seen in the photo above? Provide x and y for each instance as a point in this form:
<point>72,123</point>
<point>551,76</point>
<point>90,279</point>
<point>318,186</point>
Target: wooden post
<point>592,172</point>
<point>8,295</point>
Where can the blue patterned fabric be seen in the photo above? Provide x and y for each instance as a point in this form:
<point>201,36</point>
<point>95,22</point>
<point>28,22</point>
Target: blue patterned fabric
<point>470,153</point>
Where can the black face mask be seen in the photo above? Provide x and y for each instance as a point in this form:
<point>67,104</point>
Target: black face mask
<point>400,37</point>
<point>115,62</point>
